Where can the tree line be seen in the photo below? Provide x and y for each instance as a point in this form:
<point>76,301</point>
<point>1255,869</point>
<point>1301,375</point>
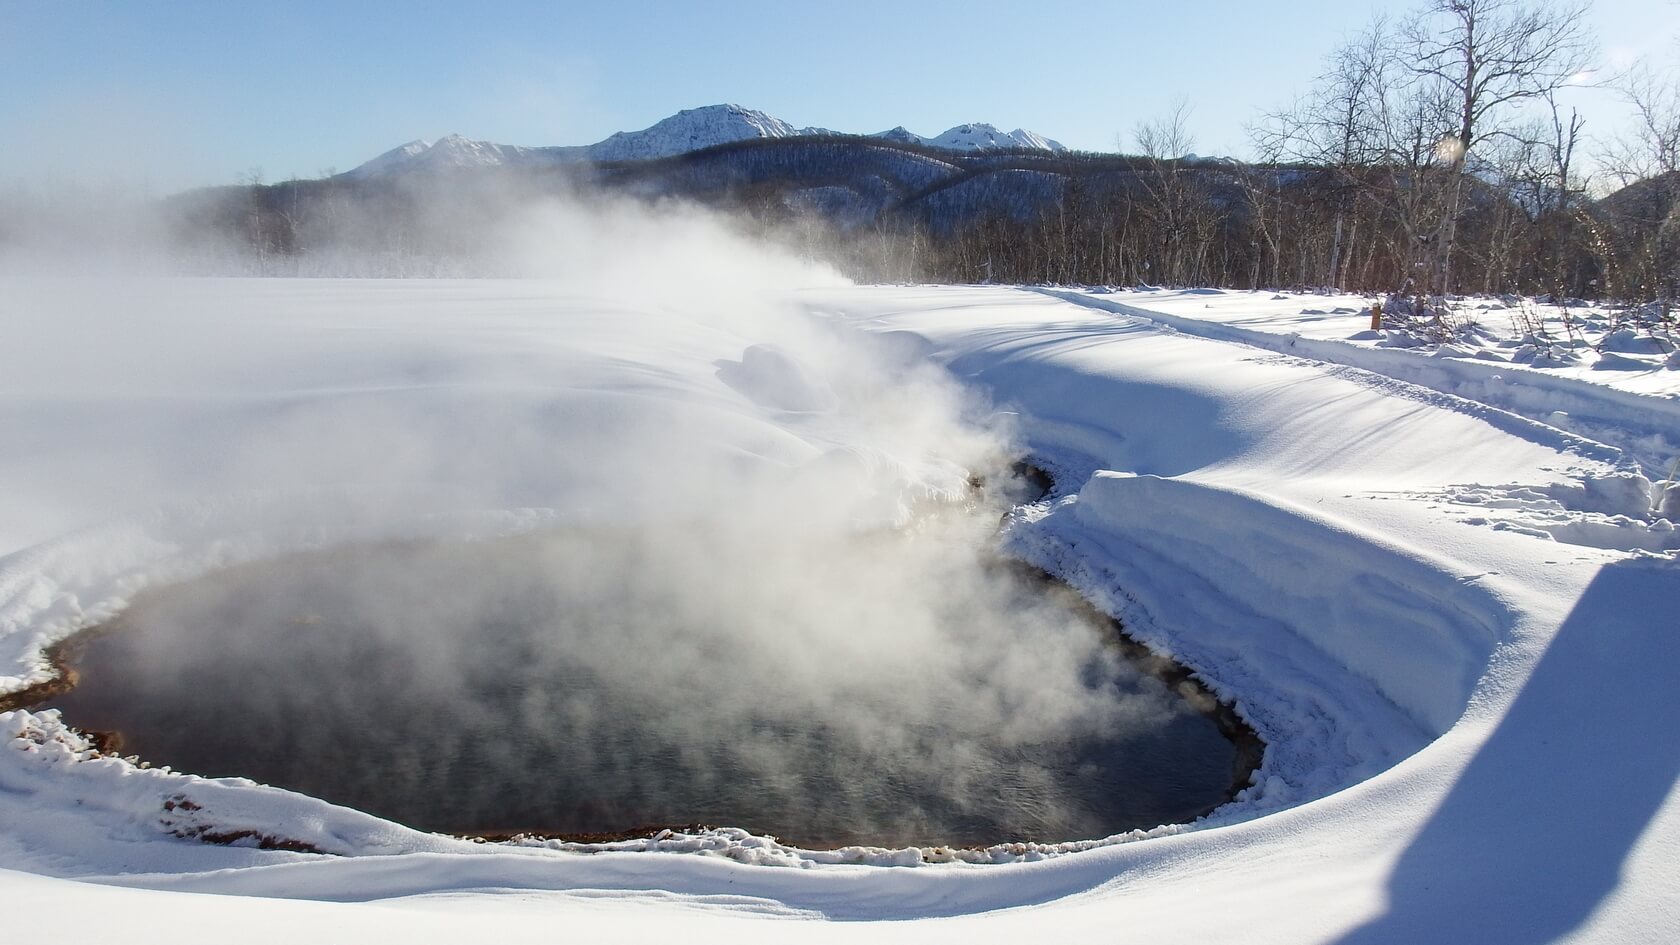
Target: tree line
<point>1430,157</point>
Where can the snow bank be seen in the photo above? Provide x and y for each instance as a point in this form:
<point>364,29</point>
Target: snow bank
<point>1414,634</point>
<point>1638,421</point>
<point>89,806</point>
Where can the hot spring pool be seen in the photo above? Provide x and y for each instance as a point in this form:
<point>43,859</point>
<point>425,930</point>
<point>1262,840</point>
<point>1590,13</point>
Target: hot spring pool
<point>886,691</point>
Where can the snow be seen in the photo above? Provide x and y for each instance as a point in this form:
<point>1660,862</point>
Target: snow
<point>1443,599</point>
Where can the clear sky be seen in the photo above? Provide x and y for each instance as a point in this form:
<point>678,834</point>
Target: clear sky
<point>177,94</point>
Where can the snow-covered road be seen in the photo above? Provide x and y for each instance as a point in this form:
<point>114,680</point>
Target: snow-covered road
<point>1453,623</point>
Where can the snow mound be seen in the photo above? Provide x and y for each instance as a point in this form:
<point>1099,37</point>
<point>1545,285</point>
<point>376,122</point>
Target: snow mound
<point>1610,361</point>
<point>770,377</point>
<point>1628,341</point>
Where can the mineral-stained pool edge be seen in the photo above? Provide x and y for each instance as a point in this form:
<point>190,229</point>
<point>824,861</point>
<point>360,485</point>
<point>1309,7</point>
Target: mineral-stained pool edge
<point>82,653</point>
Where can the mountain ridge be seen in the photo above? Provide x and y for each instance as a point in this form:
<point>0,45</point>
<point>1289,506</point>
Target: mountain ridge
<point>691,129</point>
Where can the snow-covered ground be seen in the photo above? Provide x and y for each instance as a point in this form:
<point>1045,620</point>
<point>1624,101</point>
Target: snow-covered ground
<point>1452,620</point>
<point>1570,365</point>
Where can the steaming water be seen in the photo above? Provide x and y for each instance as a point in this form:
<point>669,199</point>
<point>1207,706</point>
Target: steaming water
<point>600,681</point>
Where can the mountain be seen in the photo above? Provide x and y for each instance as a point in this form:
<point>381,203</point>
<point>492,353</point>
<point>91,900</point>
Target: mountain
<point>901,135</point>
<point>1650,201</point>
<point>691,129</point>
<point>452,152</point>
<point>979,136</point>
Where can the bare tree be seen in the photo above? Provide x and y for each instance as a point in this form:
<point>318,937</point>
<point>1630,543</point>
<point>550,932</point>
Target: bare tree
<point>1175,204</point>
<point>1653,148</point>
<point>1417,193</point>
<point>1561,215</point>
<point>1337,127</point>
<point>1649,157</point>
<point>1485,56</point>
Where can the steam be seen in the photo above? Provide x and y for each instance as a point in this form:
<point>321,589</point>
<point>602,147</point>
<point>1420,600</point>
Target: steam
<point>604,679</point>
<point>769,514</point>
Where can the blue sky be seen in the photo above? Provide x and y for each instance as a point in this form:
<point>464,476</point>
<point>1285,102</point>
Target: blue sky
<point>176,94</point>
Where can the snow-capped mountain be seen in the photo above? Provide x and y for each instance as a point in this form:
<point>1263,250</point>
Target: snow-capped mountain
<point>977,136</point>
<point>691,129</point>
<point>452,152</point>
<point>901,135</point>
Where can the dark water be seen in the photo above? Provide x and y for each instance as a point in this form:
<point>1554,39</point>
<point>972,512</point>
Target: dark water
<point>593,683</point>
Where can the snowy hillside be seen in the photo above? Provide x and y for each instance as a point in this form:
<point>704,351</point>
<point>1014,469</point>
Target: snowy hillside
<point>1449,617</point>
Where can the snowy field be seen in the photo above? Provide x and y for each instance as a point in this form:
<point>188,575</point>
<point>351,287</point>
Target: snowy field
<point>1440,594</point>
